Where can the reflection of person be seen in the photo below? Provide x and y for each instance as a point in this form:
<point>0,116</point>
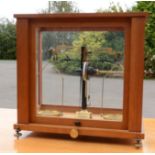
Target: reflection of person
<point>53,53</point>
<point>61,48</point>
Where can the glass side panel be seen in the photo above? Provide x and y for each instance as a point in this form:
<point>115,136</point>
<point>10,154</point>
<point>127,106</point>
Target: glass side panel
<point>80,74</point>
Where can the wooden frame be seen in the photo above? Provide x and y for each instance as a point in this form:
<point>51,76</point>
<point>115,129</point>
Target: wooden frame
<point>133,26</point>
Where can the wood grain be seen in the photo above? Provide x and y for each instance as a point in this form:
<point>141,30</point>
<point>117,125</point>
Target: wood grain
<point>136,74</point>
<point>23,70</point>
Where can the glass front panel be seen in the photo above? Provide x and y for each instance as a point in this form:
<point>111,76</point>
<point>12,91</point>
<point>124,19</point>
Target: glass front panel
<point>80,74</point>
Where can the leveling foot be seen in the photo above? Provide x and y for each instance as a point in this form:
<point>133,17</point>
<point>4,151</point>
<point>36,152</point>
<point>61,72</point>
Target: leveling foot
<point>138,143</point>
<point>18,134</point>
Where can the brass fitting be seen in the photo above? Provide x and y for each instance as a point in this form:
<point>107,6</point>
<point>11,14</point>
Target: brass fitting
<point>74,133</point>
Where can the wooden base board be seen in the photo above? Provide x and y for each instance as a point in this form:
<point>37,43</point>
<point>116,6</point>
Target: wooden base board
<point>82,131</point>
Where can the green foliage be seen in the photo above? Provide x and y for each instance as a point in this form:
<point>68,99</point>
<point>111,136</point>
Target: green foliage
<point>98,41</point>
<point>93,40</point>
<point>105,61</point>
<point>101,56</point>
<point>101,61</point>
<point>148,6</point>
<point>72,66</point>
<point>62,6</point>
<point>102,49</point>
<point>115,40</point>
<point>7,40</point>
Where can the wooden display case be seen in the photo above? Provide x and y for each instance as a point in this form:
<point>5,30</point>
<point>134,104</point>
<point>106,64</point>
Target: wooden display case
<point>30,28</point>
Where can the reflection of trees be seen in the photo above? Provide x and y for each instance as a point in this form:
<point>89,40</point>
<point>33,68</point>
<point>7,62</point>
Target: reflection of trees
<point>104,53</point>
<point>115,40</point>
<point>56,40</point>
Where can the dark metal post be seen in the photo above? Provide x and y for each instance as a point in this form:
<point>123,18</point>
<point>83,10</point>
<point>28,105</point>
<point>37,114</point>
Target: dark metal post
<point>84,83</point>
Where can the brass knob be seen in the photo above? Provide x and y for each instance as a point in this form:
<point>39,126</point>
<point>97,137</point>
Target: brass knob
<point>74,133</point>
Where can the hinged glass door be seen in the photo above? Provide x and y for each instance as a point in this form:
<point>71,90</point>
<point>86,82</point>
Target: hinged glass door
<point>80,74</point>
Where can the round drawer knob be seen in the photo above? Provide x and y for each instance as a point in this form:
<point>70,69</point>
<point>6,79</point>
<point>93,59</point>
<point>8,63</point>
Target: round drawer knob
<point>74,133</point>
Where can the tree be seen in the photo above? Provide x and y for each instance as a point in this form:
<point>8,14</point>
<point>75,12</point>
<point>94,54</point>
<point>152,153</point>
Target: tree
<point>7,39</point>
<point>94,40</point>
<point>115,40</point>
<point>148,6</point>
<point>102,51</point>
<point>52,39</point>
<point>62,6</point>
